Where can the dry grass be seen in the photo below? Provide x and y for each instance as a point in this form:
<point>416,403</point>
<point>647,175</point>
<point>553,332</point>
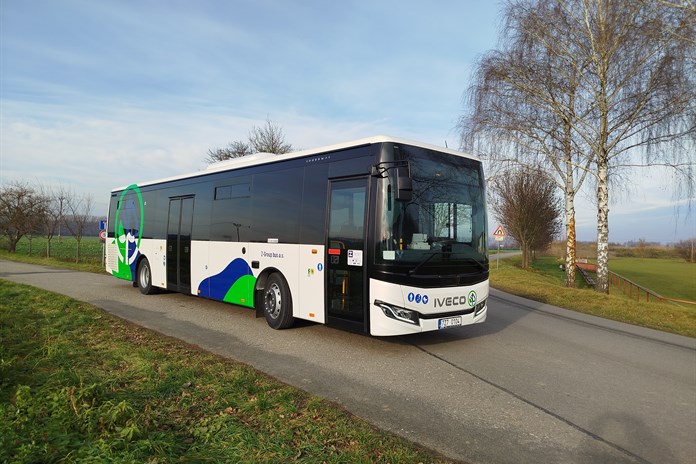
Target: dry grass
<point>544,283</point>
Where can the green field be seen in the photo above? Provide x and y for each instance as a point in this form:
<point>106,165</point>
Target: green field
<point>670,278</point>
<point>62,249</point>
<point>543,282</point>
<point>80,385</point>
<point>63,252</point>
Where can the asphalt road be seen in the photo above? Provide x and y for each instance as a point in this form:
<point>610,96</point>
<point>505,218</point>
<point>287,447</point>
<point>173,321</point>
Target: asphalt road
<point>533,384</point>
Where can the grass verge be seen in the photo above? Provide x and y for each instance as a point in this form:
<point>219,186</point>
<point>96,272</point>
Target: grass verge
<point>544,283</point>
<point>77,384</point>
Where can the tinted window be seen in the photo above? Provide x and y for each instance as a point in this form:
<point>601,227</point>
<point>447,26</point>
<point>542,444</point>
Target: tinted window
<point>277,200</point>
<point>228,192</point>
<point>313,217</point>
<point>113,205</point>
<point>155,223</point>
<point>231,218</point>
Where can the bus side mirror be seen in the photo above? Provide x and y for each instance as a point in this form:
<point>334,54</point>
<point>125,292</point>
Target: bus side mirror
<point>404,184</point>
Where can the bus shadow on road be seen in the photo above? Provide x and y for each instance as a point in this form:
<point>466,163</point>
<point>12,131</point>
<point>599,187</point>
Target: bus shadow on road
<point>501,315</point>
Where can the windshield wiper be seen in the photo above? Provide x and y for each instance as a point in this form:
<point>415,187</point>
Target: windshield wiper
<point>418,266</point>
<point>481,265</point>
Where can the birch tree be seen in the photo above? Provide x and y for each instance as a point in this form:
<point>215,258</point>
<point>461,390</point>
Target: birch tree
<point>524,102</point>
<point>613,78</point>
<point>642,91</point>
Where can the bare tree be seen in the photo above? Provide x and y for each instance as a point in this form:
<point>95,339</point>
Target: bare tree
<point>524,102</point>
<point>22,210</point>
<point>236,149</point>
<point>56,207</point>
<point>615,79</point>
<point>687,249</point>
<point>525,202</point>
<point>643,94</point>
<point>80,209</point>
<point>268,138</point>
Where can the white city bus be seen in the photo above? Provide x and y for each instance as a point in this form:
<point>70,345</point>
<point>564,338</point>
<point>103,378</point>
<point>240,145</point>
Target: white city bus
<point>381,235</point>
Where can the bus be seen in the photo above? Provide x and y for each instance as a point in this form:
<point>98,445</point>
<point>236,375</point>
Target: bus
<point>381,235</point>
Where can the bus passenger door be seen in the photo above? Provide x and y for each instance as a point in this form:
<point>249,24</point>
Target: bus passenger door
<point>345,290</point>
<point>179,244</point>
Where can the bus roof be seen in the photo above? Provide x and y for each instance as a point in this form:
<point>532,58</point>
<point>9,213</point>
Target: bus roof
<point>265,158</point>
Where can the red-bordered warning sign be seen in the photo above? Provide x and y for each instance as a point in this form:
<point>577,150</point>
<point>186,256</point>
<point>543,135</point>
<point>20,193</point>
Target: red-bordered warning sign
<point>499,233</point>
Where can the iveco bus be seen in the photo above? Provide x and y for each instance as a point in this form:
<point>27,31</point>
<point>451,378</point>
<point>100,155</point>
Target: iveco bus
<point>380,235</point>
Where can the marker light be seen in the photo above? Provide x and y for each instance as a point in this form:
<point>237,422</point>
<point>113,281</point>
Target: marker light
<point>479,307</point>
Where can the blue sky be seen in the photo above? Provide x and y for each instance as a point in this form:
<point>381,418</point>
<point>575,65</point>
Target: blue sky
<point>99,94</point>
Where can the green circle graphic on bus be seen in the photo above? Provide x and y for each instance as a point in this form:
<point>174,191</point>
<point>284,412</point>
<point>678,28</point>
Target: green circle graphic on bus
<point>128,230</point>
<point>472,298</point>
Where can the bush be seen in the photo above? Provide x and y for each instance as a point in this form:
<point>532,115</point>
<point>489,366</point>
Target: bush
<point>648,251</point>
<point>686,249</point>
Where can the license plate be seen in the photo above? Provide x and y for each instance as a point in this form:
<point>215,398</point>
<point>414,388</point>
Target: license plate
<point>449,322</point>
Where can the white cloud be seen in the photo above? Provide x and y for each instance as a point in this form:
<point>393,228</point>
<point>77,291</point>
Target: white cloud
<point>125,145</point>
<point>102,94</point>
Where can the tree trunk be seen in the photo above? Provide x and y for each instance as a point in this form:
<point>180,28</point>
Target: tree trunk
<point>525,255</point>
<point>14,240</point>
<point>602,284</point>
<point>602,159</point>
<point>570,236</point>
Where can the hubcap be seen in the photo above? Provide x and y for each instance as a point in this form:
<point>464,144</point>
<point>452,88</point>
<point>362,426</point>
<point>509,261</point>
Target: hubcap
<point>144,276</point>
<point>273,301</point>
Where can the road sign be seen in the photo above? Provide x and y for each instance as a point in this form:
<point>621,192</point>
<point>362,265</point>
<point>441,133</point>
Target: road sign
<point>102,235</point>
<point>102,224</point>
<point>499,234</point>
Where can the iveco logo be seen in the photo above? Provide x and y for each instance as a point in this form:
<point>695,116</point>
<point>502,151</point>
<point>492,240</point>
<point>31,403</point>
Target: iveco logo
<point>457,300</point>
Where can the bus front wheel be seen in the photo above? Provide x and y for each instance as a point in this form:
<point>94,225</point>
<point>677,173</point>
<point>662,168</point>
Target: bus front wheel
<point>145,277</point>
<point>277,303</point>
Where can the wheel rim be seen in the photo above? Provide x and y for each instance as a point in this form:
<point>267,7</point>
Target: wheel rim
<point>144,276</point>
<point>273,301</point>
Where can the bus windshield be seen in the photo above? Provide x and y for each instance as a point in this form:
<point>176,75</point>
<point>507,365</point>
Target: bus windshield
<point>442,228</point>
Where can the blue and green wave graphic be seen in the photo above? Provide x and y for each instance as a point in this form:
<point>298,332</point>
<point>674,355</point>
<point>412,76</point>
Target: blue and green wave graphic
<point>235,284</point>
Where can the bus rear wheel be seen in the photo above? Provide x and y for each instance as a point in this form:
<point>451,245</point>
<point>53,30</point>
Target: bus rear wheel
<point>145,277</point>
<point>277,303</point>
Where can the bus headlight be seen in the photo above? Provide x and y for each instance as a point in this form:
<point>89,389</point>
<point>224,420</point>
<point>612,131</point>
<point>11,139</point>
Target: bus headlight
<point>400,314</point>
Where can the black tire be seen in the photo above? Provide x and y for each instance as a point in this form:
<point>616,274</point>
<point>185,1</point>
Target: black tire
<point>144,277</point>
<point>277,303</point>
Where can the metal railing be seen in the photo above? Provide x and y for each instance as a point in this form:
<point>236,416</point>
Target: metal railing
<point>636,290</point>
